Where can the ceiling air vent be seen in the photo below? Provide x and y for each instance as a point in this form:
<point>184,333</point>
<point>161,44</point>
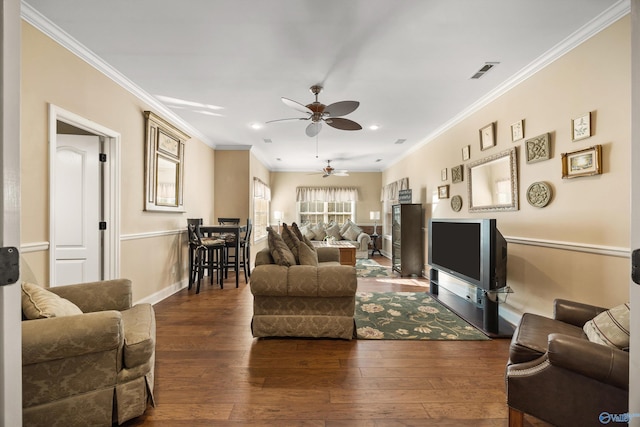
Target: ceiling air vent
<point>485,68</point>
<point>400,141</point>
<point>267,140</point>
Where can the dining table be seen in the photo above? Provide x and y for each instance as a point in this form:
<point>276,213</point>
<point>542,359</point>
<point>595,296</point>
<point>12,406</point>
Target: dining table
<point>235,229</point>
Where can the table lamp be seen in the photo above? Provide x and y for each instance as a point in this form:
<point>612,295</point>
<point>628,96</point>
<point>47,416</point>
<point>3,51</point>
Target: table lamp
<point>375,216</point>
<point>278,215</point>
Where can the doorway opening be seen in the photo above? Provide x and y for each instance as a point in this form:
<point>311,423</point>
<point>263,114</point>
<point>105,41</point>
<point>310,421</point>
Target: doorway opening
<point>84,199</point>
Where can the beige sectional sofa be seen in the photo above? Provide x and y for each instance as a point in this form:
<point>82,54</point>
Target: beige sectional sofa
<point>303,300</point>
<point>348,231</point>
<point>88,355</point>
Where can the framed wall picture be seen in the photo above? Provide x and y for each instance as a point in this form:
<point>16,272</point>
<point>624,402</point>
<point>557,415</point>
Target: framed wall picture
<point>164,165</point>
<point>581,127</point>
<point>466,153</point>
<point>443,174</point>
<point>585,162</point>
<point>443,192</point>
<point>517,131</point>
<point>487,136</point>
<point>538,148</point>
<point>457,174</point>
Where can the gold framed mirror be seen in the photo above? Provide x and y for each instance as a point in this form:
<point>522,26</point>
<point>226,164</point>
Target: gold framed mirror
<point>493,183</point>
<point>164,165</point>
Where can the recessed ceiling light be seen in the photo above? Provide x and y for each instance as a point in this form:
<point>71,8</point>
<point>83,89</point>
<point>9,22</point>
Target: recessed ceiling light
<point>256,126</point>
<point>374,127</point>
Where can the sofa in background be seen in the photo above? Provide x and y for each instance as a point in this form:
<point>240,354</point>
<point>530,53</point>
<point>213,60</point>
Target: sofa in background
<point>303,300</point>
<point>570,370</point>
<point>348,231</point>
<point>88,355</point>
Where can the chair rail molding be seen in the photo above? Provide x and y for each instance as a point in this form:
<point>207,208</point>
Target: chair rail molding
<point>615,251</point>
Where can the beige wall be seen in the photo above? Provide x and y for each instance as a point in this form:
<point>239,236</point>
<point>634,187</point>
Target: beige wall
<point>588,211</point>
<point>232,186</point>
<point>51,74</point>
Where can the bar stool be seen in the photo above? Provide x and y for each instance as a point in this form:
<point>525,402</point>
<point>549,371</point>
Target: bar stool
<point>208,253</point>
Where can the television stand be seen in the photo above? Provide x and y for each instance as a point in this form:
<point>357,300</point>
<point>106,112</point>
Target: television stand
<point>484,317</point>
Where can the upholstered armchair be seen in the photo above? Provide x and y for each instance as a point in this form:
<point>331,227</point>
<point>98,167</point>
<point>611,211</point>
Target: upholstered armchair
<point>88,355</point>
<point>569,370</point>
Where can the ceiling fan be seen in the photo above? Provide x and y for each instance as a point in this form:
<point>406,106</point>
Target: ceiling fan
<point>329,170</point>
<point>318,113</point>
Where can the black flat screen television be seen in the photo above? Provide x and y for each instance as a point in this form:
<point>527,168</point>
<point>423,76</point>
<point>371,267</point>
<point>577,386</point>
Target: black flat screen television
<point>470,249</point>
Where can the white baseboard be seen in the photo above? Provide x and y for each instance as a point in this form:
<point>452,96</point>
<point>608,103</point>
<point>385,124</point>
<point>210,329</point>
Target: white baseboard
<point>509,314</point>
<point>164,293</point>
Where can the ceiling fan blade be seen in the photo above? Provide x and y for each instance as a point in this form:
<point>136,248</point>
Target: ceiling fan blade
<point>296,106</point>
<point>340,173</point>
<point>341,108</point>
<point>292,118</point>
<point>343,124</point>
<point>313,129</point>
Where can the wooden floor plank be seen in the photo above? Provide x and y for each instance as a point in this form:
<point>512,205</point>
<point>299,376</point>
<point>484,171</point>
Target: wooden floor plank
<point>210,371</point>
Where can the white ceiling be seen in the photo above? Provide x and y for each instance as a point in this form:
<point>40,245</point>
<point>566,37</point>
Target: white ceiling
<point>408,62</point>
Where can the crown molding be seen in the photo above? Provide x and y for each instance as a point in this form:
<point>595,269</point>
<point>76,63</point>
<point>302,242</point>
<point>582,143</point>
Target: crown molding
<point>57,34</point>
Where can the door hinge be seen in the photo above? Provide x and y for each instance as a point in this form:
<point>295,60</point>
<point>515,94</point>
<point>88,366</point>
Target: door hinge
<point>102,225</point>
<point>102,157</point>
<point>635,266</point>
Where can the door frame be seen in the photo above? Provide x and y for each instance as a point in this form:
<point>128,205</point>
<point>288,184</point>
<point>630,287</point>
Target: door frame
<point>634,194</point>
<point>110,188</point>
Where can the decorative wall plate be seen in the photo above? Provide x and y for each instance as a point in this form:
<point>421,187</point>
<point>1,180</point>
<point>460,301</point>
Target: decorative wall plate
<point>539,194</point>
<point>456,203</point>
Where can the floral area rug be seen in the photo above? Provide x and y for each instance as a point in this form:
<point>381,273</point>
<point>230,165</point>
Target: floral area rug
<point>370,268</point>
<point>409,316</point>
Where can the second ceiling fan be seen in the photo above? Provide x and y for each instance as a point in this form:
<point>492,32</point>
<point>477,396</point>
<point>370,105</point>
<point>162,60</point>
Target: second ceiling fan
<point>317,112</point>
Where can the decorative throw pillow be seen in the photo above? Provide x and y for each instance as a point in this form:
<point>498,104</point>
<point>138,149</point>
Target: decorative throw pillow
<point>334,231</point>
<point>319,232</point>
<point>351,233</point>
<point>305,230</point>
<point>291,240</point>
<point>610,327</point>
<point>307,255</point>
<point>344,226</point>
<point>39,303</point>
<point>356,228</point>
<point>296,230</point>
<point>279,249</point>
<point>309,243</point>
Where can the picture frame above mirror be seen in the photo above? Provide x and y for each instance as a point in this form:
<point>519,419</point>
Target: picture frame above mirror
<point>488,136</point>
<point>492,183</point>
<point>164,165</point>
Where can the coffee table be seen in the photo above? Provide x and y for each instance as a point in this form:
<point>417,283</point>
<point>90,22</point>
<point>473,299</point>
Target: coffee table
<point>347,250</point>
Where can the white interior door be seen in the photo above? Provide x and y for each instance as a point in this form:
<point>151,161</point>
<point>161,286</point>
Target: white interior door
<point>77,209</point>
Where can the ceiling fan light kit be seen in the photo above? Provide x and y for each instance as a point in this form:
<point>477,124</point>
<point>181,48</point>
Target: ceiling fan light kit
<point>318,112</point>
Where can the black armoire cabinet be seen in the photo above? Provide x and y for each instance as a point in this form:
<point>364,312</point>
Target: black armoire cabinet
<point>406,239</point>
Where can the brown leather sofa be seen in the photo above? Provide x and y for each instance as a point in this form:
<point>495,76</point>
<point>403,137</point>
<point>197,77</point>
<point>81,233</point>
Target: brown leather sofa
<point>557,375</point>
<point>303,300</point>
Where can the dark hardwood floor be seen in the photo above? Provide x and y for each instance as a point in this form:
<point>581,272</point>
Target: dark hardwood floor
<point>210,371</point>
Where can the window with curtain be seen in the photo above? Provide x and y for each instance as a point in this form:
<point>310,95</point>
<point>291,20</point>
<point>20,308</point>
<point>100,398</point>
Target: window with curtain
<point>326,204</point>
<point>261,201</point>
<point>316,211</point>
